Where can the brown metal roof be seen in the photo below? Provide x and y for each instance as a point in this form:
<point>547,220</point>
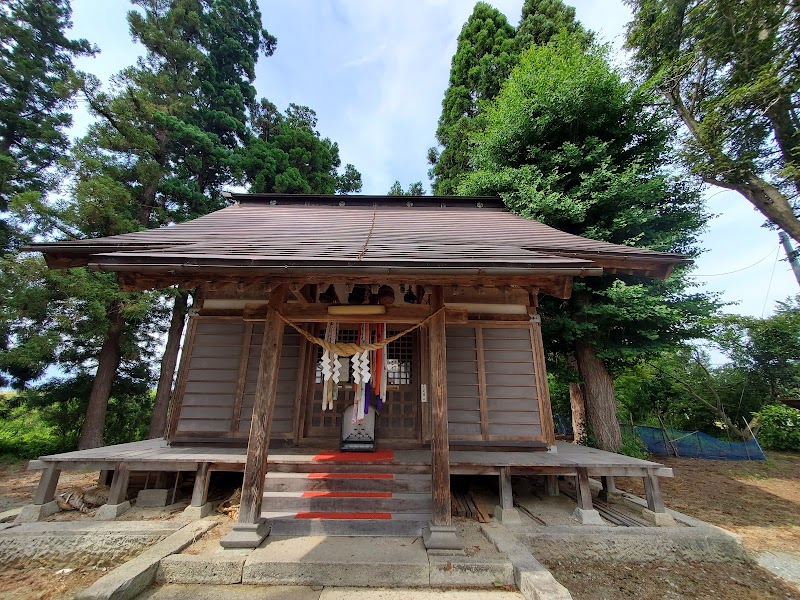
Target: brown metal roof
<point>357,233</point>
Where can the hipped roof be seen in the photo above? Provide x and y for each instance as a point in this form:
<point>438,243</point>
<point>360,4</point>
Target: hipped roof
<point>269,233</point>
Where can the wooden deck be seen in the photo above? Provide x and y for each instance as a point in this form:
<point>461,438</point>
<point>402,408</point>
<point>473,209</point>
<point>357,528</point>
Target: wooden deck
<point>156,455</point>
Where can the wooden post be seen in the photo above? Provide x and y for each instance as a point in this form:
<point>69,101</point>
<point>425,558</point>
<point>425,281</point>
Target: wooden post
<point>119,486</point>
<point>551,485</point>
<point>440,534</point>
<point>652,489</point>
<point>540,374</point>
<point>609,488</point>
<point>506,494</point>
<point>578,404</point>
<point>250,530</point>
<point>200,491</point>
<point>583,490</point>
<point>47,486</point>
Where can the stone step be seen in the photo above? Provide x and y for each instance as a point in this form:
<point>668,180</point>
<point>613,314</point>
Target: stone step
<point>347,501</point>
<point>338,561</point>
<point>364,482</point>
<point>347,524</point>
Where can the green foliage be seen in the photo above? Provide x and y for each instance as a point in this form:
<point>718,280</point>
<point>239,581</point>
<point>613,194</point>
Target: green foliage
<point>37,83</point>
<point>543,20</point>
<point>415,189</point>
<point>484,57</point>
<point>24,433</point>
<point>286,155</point>
<point>570,143</point>
<point>730,70</point>
<point>779,427</point>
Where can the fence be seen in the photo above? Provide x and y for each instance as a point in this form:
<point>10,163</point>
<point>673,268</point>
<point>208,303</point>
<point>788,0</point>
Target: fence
<point>695,444</point>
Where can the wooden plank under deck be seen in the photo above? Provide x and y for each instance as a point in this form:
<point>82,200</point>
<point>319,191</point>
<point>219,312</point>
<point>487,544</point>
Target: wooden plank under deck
<point>156,455</point>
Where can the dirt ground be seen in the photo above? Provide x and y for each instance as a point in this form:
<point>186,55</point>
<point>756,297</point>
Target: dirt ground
<point>46,583</point>
<point>660,581</point>
<point>758,500</point>
<point>17,485</point>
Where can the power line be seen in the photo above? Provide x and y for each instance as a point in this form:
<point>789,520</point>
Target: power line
<point>769,286</point>
<point>742,269</point>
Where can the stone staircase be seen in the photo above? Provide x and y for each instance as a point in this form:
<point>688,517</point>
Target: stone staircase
<point>341,502</point>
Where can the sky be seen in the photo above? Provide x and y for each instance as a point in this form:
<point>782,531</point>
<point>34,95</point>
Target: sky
<point>375,71</point>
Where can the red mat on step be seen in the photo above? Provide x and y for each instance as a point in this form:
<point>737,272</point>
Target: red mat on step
<point>350,476</point>
<point>382,456</point>
<point>343,515</point>
<point>324,494</point>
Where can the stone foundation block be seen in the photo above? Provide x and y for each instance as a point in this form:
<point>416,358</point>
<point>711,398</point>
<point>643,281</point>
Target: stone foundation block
<point>216,569</point>
<point>466,571</point>
<point>441,537</point>
<point>507,516</point>
<point>36,512</point>
<point>109,512</point>
<point>198,512</point>
<point>152,498</point>
<point>246,535</point>
<point>662,519</point>
<point>587,517</point>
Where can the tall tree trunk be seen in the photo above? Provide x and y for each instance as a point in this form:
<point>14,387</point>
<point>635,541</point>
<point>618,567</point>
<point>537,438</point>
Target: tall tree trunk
<point>601,406</point>
<point>107,364</point>
<point>168,362</point>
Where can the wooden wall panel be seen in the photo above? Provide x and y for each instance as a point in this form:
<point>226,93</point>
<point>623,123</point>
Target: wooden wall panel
<point>214,355</point>
<point>463,389</point>
<point>283,417</point>
<point>492,384</point>
<point>218,354</point>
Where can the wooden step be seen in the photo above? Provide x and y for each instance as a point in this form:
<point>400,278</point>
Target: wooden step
<point>301,482</point>
<point>347,501</point>
<point>347,524</point>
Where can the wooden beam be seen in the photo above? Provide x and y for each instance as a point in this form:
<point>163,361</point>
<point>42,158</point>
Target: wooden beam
<point>241,380</point>
<point>558,286</point>
<point>304,294</point>
<point>440,459</point>
<point>542,385</point>
<point>176,402</point>
<point>261,423</point>
<point>483,401</point>
<point>609,488</point>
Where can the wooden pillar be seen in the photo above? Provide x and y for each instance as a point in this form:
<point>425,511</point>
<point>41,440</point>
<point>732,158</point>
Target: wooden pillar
<point>583,490</point>
<point>609,488</point>
<point>441,533</point>
<point>119,486</point>
<point>551,485</point>
<point>201,480</point>
<point>652,489</point>
<point>540,374</point>
<point>250,530</point>
<point>47,486</point>
<point>506,494</point>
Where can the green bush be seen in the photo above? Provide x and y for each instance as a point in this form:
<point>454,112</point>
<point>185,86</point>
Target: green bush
<point>779,427</point>
<point>24,434</point>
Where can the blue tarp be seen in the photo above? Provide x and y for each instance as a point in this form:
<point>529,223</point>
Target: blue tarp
<point>695,444</point>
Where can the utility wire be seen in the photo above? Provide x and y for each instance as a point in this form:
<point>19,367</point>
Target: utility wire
<point>743,268</point>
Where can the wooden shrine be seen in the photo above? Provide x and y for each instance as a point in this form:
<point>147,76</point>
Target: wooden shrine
<point>459,277</point>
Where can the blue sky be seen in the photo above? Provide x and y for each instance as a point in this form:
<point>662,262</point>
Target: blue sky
<point>376,70</point>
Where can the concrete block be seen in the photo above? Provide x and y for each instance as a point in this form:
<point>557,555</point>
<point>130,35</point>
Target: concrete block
<point>532,579</point>
<point>131,579</point>
<point>36,512</point>
<point>198,512</point>
<point>662,519</point>
<point>220,568</point>
<point>441,537</point>
<point>587,517</point>
<point>507,516</point>
<point>338,561</point>
<point>468,571</point>
<point>152,498</point>
<point>246,535</point>
<point>238,592</point>
<point>109,512</point>
<point>419,594</point>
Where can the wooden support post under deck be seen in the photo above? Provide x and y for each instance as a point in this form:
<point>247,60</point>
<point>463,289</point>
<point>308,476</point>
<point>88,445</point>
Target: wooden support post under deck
<point>551,485</point>
<point>585,512</point>
<point>506,513</point>
<point>250,530</point>
<point>440,534</point>
<point>609,488</point>
<point>117,496</point>
<point>656,512</point>
<point>199,506</point>
<point>46,491</point>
